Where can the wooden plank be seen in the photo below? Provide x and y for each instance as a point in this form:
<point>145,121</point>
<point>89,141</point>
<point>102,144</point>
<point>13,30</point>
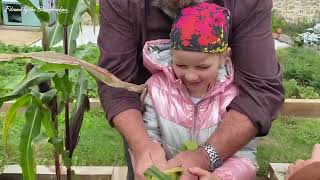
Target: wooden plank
<point>277,171</point>
<point>13,172</point>
<point>301,107</point>
<point>119,173</point>
<point>20,28</point>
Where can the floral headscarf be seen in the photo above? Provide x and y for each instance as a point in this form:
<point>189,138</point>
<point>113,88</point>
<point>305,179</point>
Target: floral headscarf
<point>201,27</point>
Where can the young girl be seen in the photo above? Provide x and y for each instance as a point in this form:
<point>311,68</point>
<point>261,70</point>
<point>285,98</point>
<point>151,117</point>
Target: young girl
<point>192,84</point>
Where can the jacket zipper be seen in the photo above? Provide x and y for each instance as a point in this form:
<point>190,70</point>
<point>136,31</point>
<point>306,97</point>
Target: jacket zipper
<point>193,133</point>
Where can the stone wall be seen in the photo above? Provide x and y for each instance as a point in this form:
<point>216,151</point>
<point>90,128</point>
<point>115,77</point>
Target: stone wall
<point>298,10</point>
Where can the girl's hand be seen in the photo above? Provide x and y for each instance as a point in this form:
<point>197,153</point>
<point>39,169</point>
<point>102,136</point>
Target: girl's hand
<point>203,174</point>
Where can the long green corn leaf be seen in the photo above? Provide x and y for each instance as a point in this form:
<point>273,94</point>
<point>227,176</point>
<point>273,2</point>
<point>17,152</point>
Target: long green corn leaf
<point>74,28</point>
<point>29,132</point>
<point>82,104</point>
<point>66,19</point>
<point>24,87</point>
<point>155,172</point>
<point>55,34</point>
<point>96,71</point>
<point>47,124</point>
<point>10,117</point>
<point>42,16</point>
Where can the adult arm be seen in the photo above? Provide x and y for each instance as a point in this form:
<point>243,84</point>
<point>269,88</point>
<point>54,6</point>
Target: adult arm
<point>257,72</point>
<point>118,41</point>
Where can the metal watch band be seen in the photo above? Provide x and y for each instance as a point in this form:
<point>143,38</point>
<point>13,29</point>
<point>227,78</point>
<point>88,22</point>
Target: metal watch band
<point>215,160</point>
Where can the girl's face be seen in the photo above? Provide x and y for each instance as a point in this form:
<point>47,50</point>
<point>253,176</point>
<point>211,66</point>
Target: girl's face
<point>196,70</point>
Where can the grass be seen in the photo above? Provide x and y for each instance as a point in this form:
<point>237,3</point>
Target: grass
<point>289,139</point>
<point>302,65</point>
<point>99,144</point>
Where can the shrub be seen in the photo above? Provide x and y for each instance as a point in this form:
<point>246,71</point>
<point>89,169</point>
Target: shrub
<point>311,36</point>
<point>293,90</point>
<point>302,65</point>
<point>289,28</point>
<point>277,21</point>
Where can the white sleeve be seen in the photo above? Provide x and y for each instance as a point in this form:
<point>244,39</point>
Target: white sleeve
<point>150,119</point>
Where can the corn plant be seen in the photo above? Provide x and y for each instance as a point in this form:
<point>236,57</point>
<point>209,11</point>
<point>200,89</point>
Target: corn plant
<point>67,29</point>
<point>41,105</point>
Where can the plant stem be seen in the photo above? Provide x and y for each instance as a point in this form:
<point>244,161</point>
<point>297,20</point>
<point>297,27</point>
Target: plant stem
<point>67,123</point>
<point>45,43</point>
<point>56,154</point>
<point>54,112</point>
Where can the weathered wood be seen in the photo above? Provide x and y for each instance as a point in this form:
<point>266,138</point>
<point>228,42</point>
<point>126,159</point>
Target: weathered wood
<point>119,173</point>
<point>301,107</point>
<point>13,172</point>
<point>277,171</point>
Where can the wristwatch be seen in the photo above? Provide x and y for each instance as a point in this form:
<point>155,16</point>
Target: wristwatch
<point>215,160</point>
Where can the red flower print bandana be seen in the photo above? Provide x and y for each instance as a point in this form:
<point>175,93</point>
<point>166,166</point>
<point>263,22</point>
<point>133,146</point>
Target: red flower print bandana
<point>201,27</point>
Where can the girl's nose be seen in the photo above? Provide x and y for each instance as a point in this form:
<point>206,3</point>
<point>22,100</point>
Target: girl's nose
<point>191,77</point>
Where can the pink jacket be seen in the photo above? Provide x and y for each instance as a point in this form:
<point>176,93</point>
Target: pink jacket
<point>172,118</point>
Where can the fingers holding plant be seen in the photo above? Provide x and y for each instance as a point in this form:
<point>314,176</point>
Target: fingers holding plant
<point>151,155</point>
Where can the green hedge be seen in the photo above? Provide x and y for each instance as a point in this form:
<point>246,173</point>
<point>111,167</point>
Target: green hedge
<point>301,71</point>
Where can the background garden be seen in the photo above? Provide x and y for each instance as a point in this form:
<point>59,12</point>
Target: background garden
<point>290,138</point>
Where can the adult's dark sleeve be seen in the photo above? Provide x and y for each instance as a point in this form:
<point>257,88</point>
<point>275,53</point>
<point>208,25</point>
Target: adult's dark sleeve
<point>257,72</point>
<point>117,42</point>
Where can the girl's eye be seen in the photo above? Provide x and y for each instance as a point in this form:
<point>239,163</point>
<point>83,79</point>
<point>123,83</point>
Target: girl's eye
<point>202,67</point>
<point>181,66</point>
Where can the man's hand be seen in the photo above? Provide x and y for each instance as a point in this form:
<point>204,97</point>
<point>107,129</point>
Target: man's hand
<point>145,152</point>
<point>203,174</point>
<point>188,159</point>
<point>152,154</point>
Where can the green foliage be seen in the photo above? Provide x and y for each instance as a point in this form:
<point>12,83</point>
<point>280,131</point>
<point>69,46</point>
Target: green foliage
<point>153,173</point>
<point>189,145</point>
<point>11,73</point>
<point>10,117</point>
<point>72,21</point>
<point>290,29</point>
<point>302,65</point>
<point>277,21</point>
<point>289,139</point>
<point>42,15</point>
<point>1,18</point>
<point>88,151</point>
<point>293,29</point>
<point>66,19</point>
<point>293,90</point>
<point>30,131</point>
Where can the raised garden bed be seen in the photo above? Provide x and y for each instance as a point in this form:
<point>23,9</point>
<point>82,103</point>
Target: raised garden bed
<point>13,172</point>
